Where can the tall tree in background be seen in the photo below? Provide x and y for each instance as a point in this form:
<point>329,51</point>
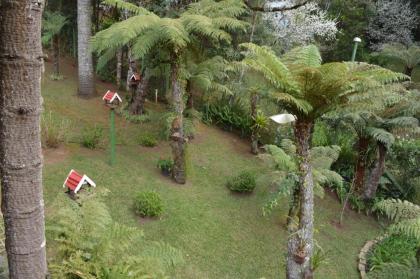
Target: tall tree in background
<point>85,64</point>
<point>52,26</point>
<point>22,202</point>
<point>393,22</point>
<point>409,56</point>
<point>308,89</point>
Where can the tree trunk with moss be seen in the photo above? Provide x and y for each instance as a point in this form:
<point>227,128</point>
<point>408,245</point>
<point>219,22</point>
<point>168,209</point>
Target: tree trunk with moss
<point>139,97</point>
<point>300,243</point>
<point>375,175</point>
<point>178,140</point>
<point>254,135</point>
<point>22,203</point>
<point>119,67</point>
<point>361,164</point>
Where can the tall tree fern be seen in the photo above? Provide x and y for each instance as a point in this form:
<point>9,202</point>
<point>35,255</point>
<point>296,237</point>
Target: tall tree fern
<point>302,85</point>
<point>206,19</point>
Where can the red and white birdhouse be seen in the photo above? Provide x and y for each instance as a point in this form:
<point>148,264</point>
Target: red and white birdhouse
<point>74,181</point>
<point>135,78</point>
<point>112,99</point>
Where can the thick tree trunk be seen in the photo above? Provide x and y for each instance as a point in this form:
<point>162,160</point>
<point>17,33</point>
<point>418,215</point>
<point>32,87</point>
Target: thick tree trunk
<point>371,186</point>
<point>361,164</point>
<point>20,142</point>
<point>56,50</point>
<point>408,71</point>
<point>178,140</point>
<point>119,67</point>
<point>300,244</point>
<point>190,100</point>
<point>254,135</point>
<point>139,98</point>
<point>85,64</point>
<point>132,68</point>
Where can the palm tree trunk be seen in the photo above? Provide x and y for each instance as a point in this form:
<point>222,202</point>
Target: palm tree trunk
<point>177,131</point>
<point>85,64</point>
<point>20,142</point>
<point>300,243</point>
<point>254,135</point>
<point>139,98</point>
<point>408,71</point>
<point>361,164</point>
<point>56,50</point>
<point>119,67</point>
<point>375,175</point>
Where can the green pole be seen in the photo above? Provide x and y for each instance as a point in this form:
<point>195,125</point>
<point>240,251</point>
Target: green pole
<point>112,136</point>
<point>353,56</point>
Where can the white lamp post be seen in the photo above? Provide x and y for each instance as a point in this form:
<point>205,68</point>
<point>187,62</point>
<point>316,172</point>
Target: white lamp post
<point>283,118</point>
<point>356,41</point>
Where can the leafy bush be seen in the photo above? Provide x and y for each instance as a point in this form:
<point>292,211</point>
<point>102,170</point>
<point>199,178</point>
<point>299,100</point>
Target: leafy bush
<point>393,249</point>
<point>230,115</point>
<point>123,112</point>
<point>148,140</point>
<point>92,137</point>
<point>165,165</point>
<point>56,77</point>
<point>244,182</point>
<point>54,130</point>
<point>149,203</point>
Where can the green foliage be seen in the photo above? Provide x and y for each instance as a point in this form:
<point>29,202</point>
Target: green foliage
<point>165,165</point>
<point>245,182</point>
<point>230,115</point>
<point>404,214</point>
<point>409,56</point>
<point>149,204</point>
<point>393,249</point>
<point>92,137</point>
<point>395,270</point>
<point>91,245</point>
<point>148,140</point>
<point>283,161</point>
<point>54,130</point>
<point>52,24</point>
<point>123,112</point>
<point>56,77</point>
<point>145,30</point>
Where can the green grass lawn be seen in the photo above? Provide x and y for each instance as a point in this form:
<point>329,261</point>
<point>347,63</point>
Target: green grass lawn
<point>220,234</point>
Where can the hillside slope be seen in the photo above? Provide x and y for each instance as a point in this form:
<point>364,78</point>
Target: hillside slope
<point>221,235</point>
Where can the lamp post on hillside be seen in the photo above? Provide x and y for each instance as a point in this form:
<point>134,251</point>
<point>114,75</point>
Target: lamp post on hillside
<point>112,100</point>
<point>283,119</point>
<point>356,41</point>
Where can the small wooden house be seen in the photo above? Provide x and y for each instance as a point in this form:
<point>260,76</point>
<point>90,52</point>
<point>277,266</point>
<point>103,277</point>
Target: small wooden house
<point>74,182</point>
<point>135,78</point>
<point>112,98</point>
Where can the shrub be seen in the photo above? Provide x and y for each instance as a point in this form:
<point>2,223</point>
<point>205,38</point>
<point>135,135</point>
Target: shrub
<point>244,182</point>
<point>54,130</point>
<point>393,249</point>
<point>165,165</point>
<point>148,140</point>
<point>92,137</point>
<point>149,203</point>
<point>123,112</point>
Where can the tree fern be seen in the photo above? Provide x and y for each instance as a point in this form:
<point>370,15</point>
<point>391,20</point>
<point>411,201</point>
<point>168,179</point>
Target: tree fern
<point>404,214</point>
<point>92,245</point>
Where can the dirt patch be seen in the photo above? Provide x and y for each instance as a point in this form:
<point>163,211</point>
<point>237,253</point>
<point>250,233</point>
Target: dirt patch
<point>145,220</point>
<point>55,155</point>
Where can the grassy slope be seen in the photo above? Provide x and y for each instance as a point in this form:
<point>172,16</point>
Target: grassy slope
<point>221,235</point>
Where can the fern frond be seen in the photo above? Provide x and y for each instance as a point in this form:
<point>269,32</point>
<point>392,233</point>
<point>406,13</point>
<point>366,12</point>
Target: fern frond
<point>397,210</point>
<point>281,159</point>
<point>307,56</point>
<point>127,6</point>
